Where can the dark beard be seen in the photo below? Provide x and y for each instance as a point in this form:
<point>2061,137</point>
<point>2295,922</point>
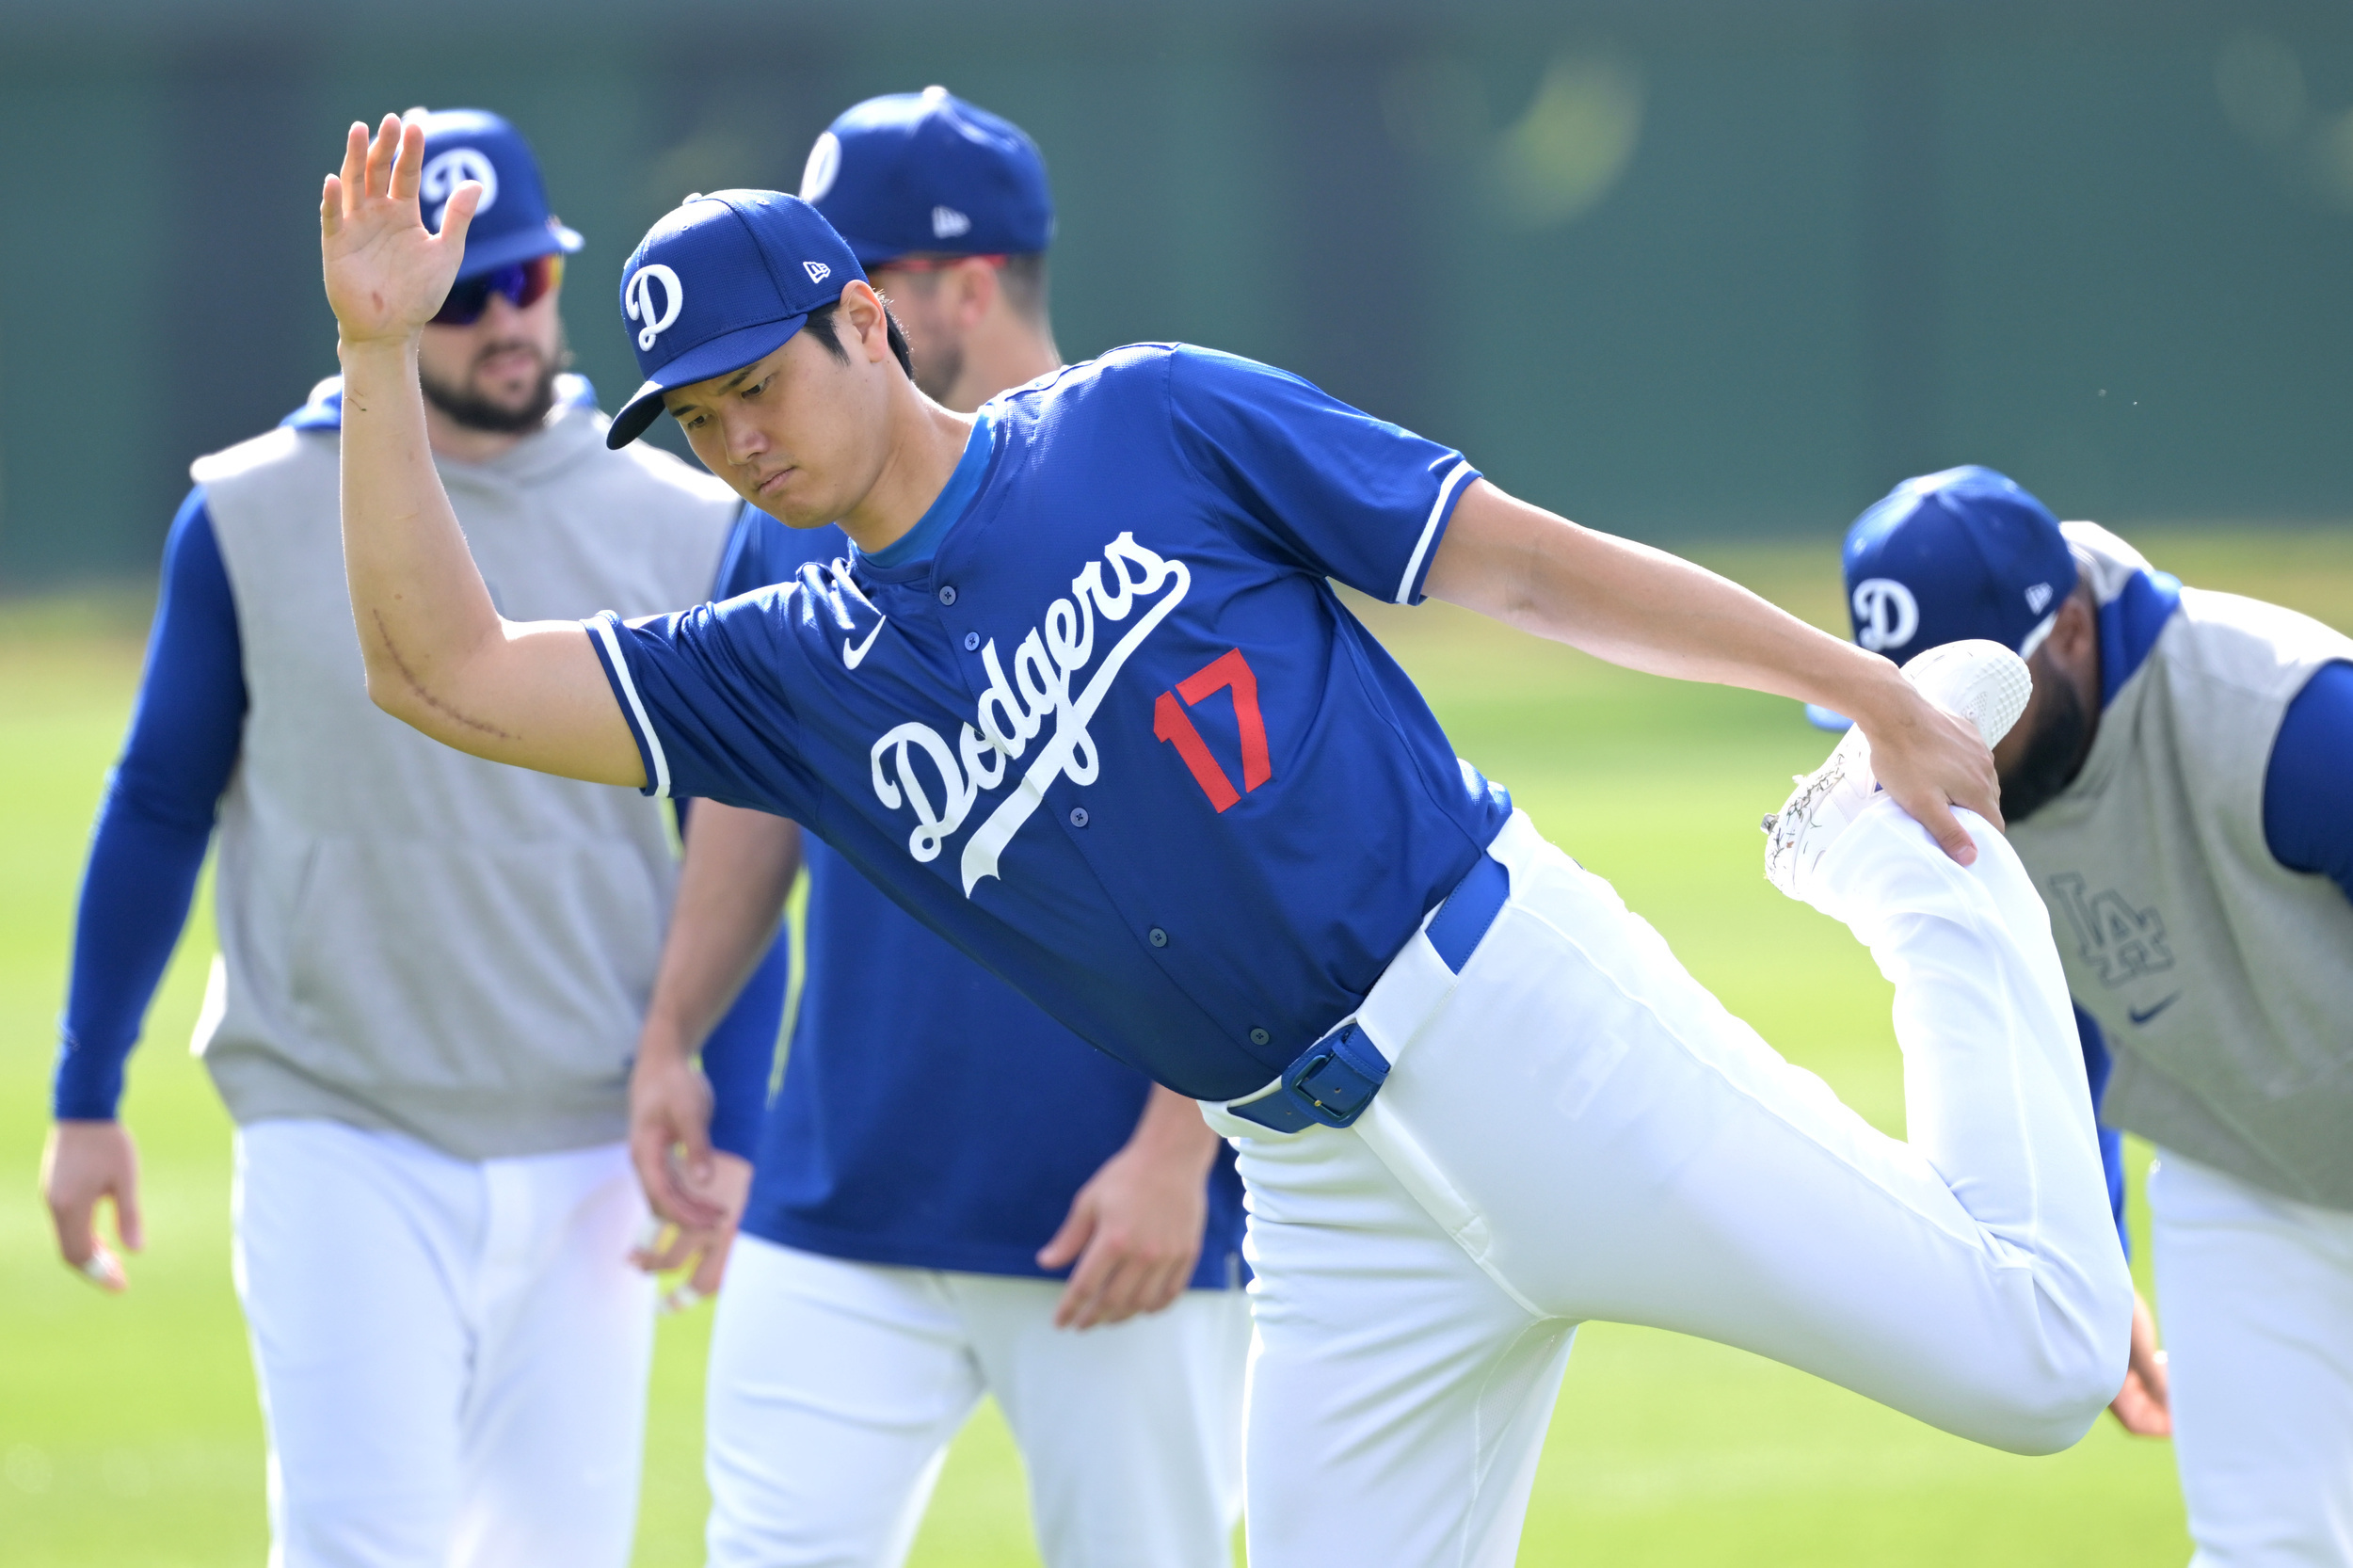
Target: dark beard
<point>476,412</point>
<point>2053,758</point>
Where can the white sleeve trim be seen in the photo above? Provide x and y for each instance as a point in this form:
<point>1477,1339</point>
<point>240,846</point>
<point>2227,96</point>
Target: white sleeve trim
<point>1430,530</point>
<point>603,625</point>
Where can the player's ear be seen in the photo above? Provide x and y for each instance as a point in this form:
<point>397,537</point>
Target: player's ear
<point>977,285</point>
<point>861,311</point>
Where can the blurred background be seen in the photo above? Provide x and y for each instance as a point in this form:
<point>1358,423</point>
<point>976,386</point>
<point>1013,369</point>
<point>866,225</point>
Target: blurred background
<point>1675,267</point>
<point>1713,273</point>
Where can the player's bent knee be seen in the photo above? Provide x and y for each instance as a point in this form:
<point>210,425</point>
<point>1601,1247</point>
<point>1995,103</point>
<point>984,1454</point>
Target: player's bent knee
<point>2045,1406</point>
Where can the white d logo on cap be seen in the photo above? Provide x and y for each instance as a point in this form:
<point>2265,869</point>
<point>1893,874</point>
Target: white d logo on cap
<point>448,170</point>
<point>639,294</point>
<point>1875,599</point>
<point>824,162</point>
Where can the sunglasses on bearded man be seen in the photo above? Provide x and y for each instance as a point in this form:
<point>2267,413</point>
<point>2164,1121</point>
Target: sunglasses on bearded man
<point>523,283</point>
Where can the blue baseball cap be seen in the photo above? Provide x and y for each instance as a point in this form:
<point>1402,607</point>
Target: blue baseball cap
<point>1947,557</point>
<point>719,281</point>
<point>512,223</point>
<point>927,172</point>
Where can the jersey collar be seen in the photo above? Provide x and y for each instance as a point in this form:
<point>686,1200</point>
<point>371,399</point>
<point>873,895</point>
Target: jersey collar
<point>913,549</point>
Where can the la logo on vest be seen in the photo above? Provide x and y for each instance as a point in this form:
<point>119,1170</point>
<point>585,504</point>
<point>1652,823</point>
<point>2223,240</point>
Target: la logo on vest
<point>641,307</point>
<point>1885,614</point>
<point>2120,942</point>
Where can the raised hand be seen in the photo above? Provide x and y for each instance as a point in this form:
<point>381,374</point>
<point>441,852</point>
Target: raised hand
<point>387,274</point>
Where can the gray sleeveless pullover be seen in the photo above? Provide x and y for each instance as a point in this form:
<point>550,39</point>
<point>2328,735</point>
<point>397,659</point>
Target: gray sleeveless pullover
<point>411,938</point>
<point>2222,979</point>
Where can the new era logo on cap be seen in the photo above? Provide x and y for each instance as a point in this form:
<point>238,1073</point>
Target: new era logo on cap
<point>721,281</point>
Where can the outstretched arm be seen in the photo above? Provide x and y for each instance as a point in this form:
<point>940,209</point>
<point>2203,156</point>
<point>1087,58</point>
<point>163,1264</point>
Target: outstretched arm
<point>1651,611</point>
<point>438,655</point>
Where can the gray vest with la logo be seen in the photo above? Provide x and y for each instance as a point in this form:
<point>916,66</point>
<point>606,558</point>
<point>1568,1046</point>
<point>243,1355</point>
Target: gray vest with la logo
<point>2222,979</point>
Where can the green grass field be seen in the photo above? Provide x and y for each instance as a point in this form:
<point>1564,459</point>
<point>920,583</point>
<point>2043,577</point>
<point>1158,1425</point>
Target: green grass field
<point>129,1431</point>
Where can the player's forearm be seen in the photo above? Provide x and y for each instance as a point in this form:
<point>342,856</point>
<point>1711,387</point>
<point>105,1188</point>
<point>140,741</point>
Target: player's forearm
<point>1171,1128</point>
<point>739,867</point>
<point>1643,608</point>
<point>421,607</point>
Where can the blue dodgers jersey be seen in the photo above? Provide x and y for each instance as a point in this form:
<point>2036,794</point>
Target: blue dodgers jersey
<point>1016,1112</point>
<point>1118,739</point>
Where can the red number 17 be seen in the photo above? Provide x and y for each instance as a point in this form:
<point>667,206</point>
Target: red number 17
<point>1228,671</point>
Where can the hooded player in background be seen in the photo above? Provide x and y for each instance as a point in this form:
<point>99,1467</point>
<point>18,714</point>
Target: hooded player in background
<point>1107,727</point>
<point>893,1274</point>
<point>431,968</point>
<point>2180,788</point>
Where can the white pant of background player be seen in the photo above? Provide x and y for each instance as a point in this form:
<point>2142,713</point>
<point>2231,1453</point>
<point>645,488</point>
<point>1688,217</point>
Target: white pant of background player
<point>835,1386</point>
<point>1574,1128</point>
<point>453,1354</point>
<point>2255,1298</point>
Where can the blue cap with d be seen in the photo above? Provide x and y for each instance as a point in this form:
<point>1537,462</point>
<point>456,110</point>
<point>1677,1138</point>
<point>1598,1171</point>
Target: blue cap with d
<point>512,223</point>
<point>720,281</point>
<point>1954,555</point>
<point>928,172</point>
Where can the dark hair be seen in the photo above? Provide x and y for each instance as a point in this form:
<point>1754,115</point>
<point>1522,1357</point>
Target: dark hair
<point>820,322</point>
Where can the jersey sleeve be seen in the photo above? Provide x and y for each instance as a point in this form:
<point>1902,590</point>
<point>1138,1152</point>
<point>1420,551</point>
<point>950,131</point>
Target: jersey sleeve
<point>2096,1066</point>
<point>154,819</point>
<point>2307,821</point>
<point>706,693</point>
<point>1324,487</point>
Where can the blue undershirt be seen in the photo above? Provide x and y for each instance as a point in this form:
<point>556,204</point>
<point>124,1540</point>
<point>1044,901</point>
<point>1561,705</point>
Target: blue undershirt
<point>156,819</point>
<point>2306,825</point>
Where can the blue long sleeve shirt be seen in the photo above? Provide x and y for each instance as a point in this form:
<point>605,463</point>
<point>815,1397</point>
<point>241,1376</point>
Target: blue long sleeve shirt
<point>155,820</point>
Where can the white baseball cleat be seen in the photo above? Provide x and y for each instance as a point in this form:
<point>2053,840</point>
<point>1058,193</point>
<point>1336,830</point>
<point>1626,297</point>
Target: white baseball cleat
<point>1981,681</point>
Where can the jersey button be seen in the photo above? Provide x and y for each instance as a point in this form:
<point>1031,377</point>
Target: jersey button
<point>1078,816</point>
<point>971,639</point>
<point>1259,1037</point>
<point>946,594</point>
<point>1160,937</point>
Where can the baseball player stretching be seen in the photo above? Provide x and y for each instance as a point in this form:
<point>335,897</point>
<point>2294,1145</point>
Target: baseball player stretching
<point>2178,789</point>
<point>1108,730</point>
<point>431,968</point>
<point>890,1280</point>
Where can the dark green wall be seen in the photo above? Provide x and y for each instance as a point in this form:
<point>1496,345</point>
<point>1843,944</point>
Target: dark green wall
<point>1674,268</point>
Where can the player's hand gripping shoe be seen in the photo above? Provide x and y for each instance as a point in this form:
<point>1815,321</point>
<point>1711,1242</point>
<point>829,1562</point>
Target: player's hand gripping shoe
<point>1981,681</point>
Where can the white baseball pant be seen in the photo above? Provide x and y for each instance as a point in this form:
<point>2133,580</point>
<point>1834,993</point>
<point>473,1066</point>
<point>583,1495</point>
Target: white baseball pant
<point>835,1388</point>
<point>2255,1298</point>
<point>453,1355</point>
<point>1575,1129</point>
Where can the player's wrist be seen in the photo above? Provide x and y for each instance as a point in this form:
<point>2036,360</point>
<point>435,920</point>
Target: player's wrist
<point>391,349</point>
<point>1875,695</point>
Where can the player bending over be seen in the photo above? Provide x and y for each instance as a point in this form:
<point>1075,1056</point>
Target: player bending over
<point>1108,730</point>
<point>2178,791</point>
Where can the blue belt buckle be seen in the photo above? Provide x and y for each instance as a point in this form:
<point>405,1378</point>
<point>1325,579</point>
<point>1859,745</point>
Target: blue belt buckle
<point>1331,1082</point>
<point>1334,1078</point>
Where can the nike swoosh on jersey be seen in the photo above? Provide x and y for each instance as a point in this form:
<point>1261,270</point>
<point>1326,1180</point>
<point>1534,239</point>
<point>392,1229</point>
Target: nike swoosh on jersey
<point>852,657</point>
<point>2139,1016</point>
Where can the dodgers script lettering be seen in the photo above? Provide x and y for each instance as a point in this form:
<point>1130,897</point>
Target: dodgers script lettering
<point>1016,707</point>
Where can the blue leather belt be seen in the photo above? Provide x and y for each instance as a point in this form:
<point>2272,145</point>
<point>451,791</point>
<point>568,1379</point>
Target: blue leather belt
<point>1330,1083</point>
